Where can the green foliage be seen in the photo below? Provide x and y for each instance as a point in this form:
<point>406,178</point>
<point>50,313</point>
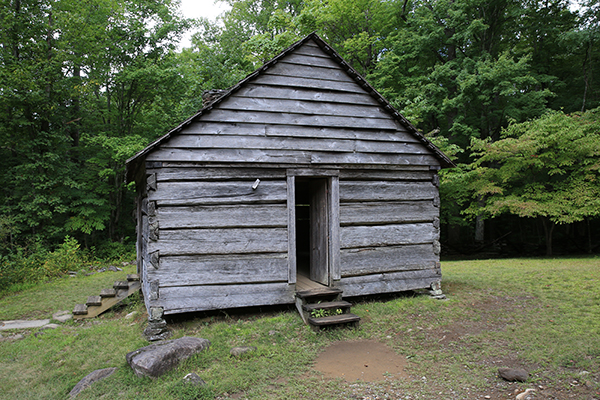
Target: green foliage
<point>67,257</point>
<point>547,168</point>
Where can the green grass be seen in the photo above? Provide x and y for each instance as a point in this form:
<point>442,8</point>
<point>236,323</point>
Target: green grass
<point>541,314</point>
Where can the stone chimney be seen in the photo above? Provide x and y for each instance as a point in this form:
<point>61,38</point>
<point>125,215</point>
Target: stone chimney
<point>208,96</point>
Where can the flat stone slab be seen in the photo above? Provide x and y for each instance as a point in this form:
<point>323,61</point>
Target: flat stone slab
<point>62,316</point>
<point>513,374</point>
<point>159,358</point>
<point>23,324</point>
<point>90,379</point>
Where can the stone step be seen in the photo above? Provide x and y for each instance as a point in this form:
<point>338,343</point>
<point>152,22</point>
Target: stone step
<point>94,301</point>
<point>327,305</point>
<point>80,309</point>
<point>108,293</point>
<point>334,320</point>
<point>107,302</point>
<point>121,285</point>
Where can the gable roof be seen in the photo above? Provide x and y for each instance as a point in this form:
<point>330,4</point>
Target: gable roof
<point>133,162</point>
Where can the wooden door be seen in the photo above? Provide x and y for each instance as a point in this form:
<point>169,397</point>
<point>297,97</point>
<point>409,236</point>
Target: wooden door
<point>319,231</point>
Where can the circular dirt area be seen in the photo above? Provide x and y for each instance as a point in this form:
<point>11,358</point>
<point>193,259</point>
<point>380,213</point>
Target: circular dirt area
<point>365,360</point>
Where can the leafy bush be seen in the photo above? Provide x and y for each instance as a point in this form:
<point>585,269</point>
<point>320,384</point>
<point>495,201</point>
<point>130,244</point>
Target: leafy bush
<point>67,257</point>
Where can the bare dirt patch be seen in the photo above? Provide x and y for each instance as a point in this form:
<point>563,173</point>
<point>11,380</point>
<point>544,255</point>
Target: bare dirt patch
<point>364,360</point>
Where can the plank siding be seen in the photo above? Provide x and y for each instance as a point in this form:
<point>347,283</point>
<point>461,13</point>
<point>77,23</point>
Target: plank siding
<point>353,191</point>
<point>215,297</point>
<point>209,270</point>
<point>374,260</point>
<point>220,241</point>
<point>231,192</point>
<point>223,216</point>
<point>386,235</point>
<point>377,213</point>
<point>388,283</point>
<point>305,94</point>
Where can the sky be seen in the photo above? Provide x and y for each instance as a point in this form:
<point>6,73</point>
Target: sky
<point>200,8</point>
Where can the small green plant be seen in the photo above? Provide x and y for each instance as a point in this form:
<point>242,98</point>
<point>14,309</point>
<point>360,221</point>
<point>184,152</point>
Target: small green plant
<point>321,312</point>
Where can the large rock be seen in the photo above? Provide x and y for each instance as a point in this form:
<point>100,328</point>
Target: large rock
<point>513,374</point>
<point>159,358</point>
<point>91,378</point>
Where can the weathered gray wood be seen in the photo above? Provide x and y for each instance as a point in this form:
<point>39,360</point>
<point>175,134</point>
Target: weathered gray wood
<point>291,157</point>
<point>334,228</point>
<point>311,49</point>
<point>291,229</point>
<point>221,241</point>
<point>273,92</point>
<point>283,68</point>
<point>214,297</point>
<point>224,216</point>
<point>312,172</point>
<point>217,174</point>
<point>386,191</point>
<point>398,175</point>
<point>385,283</point>
<point>151,182</point>
<point>232,192</point>
<point>362,158</point>
<point>108,293</point>
<point>282,118</point>
<point>303,107</point>
<point>371,213</point>
<point>268,130</point>
<point>319,231</point>
<point>311,60</point>
<point>386,235</point>
<point>209,270</point>
<point>277,80</point>
<point>204,141</point>
<point>365,261</point>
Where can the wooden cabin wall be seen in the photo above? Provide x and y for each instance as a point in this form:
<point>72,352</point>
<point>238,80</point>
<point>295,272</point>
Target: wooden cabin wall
<point>389,231</point>
<point>218,242</point>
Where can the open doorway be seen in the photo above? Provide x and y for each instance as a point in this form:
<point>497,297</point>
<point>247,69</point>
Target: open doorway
<point>312,229</point>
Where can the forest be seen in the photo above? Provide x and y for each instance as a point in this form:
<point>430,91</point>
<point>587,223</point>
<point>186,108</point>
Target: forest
<point>509,89</point>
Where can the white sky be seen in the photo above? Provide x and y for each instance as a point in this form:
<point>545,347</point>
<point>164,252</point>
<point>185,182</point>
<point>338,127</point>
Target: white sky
<point>200,8</point>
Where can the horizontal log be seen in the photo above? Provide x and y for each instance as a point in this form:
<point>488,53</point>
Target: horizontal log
<point>373,213</point>
<point>396,175</point>
<point>216,174</point>
<point>290,106</point>
<point>220,241</point>
<point>310,83</point>
<point>283,118</point>
<point>283,68</point>
<point>289,157</point>
<point>202,192</point>
<point>386,283</point>
<point>203,141</point>
<point>268,130</point>
<point>223,216</point>
<point>218,297</point>
<point>365,261</point>
<point>387,235</point>
<point>209,270</point>
<point>311,49</point>
<point>275,92</point>
<point>373,190</point>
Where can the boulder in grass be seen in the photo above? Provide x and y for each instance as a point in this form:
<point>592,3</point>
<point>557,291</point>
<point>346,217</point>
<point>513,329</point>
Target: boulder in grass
<point>159,358</point>
<point>238,351</point>
<point>513,374</point>
<point>90,379</point>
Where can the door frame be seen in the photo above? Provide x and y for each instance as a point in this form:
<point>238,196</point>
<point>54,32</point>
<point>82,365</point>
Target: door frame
<point>333,218</point>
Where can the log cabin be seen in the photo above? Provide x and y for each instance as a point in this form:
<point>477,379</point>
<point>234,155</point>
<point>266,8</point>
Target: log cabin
<point>301,175</point>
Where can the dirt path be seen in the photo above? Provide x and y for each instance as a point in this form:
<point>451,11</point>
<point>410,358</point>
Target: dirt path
<point>365,360</point>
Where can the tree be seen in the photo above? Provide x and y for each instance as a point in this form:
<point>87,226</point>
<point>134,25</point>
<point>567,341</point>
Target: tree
<point>548,168</point>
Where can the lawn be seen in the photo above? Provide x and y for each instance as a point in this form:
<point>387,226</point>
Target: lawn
<point>539,314</point>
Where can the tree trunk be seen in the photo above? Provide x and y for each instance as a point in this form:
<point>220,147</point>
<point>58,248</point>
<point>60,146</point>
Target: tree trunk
<point>548,230</point>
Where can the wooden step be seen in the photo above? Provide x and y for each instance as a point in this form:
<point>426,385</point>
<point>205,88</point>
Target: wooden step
<point>335,320</point>
<point>319,293</point>
<point>108,293</point>
<point>327,305</point>
<point>80,309</point>
<point>94,301</point>
<point>133,277</point>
